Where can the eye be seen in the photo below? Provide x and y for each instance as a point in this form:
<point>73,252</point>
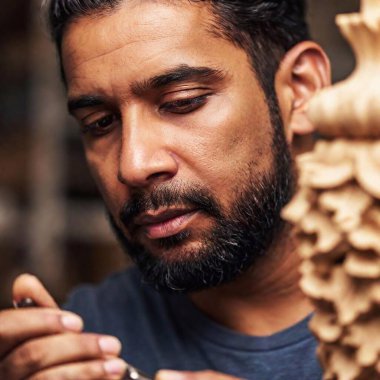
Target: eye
<point>184,106</point>
<point>102,126</point>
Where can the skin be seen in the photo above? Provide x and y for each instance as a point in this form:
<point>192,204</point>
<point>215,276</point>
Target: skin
<point>148,145</point>
<point>151,146</point>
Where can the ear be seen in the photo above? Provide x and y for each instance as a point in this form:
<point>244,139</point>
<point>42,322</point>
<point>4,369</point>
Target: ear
<point>304,70</point>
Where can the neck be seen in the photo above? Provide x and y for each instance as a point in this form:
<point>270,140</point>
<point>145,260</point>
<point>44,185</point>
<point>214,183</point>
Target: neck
<point>264,300</point>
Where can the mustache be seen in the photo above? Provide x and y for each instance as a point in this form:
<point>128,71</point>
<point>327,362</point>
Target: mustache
<point>193,197</point>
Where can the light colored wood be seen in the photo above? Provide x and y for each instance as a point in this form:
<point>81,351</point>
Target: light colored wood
<point>350,108</point>
<point>336,211</point>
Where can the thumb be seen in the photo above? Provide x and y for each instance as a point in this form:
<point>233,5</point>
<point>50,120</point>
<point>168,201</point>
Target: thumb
<point>28,286</point>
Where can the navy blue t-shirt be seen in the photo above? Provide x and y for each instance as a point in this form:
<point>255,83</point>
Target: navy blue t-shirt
<point>161,331</point>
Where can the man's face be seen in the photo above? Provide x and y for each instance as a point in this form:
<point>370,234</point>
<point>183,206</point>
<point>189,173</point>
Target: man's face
<point>179,139</point>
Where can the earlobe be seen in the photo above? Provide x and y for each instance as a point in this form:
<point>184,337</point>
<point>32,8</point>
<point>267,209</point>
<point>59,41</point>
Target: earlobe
<point>303,72</point>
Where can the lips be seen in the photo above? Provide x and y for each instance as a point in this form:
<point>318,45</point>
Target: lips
<point>164,223</point>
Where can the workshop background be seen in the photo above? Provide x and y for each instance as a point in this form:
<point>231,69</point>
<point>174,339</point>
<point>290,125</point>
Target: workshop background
<point>52,221</point>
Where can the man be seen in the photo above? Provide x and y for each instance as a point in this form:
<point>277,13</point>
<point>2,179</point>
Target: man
<point>188,111</point>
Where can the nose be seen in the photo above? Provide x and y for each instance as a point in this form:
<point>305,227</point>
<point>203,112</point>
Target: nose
<point>145,157</point>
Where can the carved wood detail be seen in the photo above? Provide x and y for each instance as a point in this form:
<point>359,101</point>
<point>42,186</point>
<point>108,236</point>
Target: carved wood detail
<point>336,210</point>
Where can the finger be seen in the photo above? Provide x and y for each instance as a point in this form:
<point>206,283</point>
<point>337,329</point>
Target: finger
<point>112,369</point>
<point>17,326</point>
<point>187,375</point>
<point>28,286</point>
<point>38,354</point>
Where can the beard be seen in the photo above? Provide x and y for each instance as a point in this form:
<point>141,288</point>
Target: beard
<point>239,236</point>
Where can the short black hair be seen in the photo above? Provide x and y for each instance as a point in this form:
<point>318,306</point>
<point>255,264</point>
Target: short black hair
<point>265,29</point>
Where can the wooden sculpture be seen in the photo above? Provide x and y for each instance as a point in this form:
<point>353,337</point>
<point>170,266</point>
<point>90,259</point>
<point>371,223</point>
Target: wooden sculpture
<point>336,210</point>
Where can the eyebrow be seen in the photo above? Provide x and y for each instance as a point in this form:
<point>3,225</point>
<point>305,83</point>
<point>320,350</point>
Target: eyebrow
<point>181,73</point>
<point>178,74</point>
<point>84,101</point>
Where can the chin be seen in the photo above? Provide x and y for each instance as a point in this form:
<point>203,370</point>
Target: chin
<point>177,248</point>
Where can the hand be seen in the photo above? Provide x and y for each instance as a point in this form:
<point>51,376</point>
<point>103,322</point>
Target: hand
<point>46,343</point>
<point>187,375</point>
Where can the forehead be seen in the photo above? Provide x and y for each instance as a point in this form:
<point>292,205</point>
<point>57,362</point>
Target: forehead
<point>141,38</point>
<point>129,23</point>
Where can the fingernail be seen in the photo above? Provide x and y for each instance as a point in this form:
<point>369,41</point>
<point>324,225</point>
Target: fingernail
<point>72,322</point>
<point>110,345</point>
<point>170,375</point>
<point>115,366</point>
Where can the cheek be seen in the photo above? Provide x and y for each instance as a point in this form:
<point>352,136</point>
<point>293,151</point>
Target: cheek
<point>232,140</point>
<point>104,171</point>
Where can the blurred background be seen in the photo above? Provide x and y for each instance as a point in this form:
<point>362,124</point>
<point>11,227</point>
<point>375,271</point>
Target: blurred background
<point>52,221</point>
